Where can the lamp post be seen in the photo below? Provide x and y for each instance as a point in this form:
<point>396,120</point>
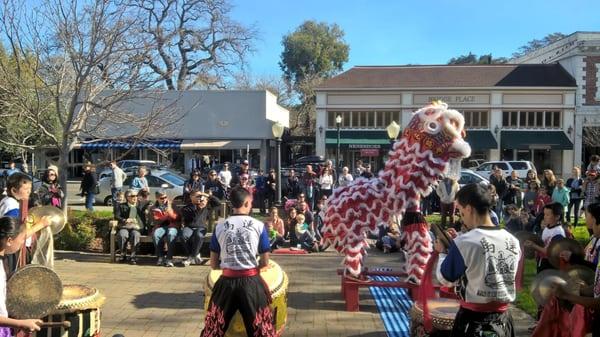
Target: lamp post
<point>277,130</point>
<point>393,130</point>
<point>338,123</point>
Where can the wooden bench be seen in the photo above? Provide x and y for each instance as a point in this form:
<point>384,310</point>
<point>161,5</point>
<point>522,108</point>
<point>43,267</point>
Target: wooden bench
<point>148,238</point>
<point>143,238</point>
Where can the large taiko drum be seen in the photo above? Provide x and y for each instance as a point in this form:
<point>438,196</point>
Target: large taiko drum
<point>277,281</point>
<point>80,305</point>
<point>442,312</point>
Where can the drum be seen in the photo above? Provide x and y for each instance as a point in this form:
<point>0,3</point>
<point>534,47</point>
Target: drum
<point>80,305</point>
<point>442,311</point>
<point>277,281</point>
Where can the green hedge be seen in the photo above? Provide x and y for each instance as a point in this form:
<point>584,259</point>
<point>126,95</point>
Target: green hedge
<point>83,231</point>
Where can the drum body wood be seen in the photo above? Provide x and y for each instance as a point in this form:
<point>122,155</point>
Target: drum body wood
<point>442,312</point>
<point>277,281</point>
<point>79,305</point>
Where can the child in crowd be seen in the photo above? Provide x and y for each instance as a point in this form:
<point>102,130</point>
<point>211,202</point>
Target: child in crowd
<point>594,163</point>
<point>552,230</point>
<point>290,226</point>
<point>305,235</point>
<point>12,236</point>
<point>390,240</point>
<point>514,223</point>
<point>530,196</point>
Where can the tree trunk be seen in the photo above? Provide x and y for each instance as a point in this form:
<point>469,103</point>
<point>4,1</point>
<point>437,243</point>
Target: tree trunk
<point>63,167</point>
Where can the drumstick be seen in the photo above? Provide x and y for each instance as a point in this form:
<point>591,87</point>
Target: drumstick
<point>64,324</point>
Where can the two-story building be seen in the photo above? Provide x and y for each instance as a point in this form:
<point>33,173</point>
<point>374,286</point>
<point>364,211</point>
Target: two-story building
<point>512,112</point>
<point>579,54</point>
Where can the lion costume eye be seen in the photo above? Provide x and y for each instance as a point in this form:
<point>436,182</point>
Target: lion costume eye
<point>432,127</point>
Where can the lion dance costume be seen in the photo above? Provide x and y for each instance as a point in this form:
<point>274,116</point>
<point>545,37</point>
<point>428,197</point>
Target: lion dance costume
<point>431,146</point>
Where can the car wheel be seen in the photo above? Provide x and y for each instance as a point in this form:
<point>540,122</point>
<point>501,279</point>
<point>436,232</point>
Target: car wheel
<point>108,201</point>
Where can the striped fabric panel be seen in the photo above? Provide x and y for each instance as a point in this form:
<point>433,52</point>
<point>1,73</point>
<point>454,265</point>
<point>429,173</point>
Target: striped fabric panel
<point>394,307</point>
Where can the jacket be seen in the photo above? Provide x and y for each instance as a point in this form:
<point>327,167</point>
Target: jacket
<point>88,183</point>
<point>162,217</point>
<point>194,217</point>
<point>118,176</point>
<point>561,195</point>
<point>123,214</point>
<point>447,196</point>
<point>577,190</point>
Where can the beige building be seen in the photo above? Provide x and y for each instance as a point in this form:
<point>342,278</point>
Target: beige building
<point>512,112</point>
<point>579,54</point>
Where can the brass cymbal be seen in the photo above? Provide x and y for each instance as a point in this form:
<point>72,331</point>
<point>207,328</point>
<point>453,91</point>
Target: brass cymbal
<point>543,284</point>
<point>581,274</point>
<point>523,236</point>
<point>563,244</point>
<point>57,217</point>
<point>32,292</point>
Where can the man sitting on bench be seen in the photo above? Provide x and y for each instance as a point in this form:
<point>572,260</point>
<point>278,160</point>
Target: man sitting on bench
<point>129,215</point>
<point>195,217</point>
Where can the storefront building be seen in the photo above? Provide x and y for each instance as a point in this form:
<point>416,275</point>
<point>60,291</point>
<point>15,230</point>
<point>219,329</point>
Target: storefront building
<point>512,112</point>
<point>225,126</point>
<point>579,54</point>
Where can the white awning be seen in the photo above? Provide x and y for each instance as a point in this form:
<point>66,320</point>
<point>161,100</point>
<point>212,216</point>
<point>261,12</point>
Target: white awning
<point>220,144</point>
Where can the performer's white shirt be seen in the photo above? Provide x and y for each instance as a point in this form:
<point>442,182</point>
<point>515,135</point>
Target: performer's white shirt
<point>3,311</point>
<point>239,240</point>
<point>482,265</point>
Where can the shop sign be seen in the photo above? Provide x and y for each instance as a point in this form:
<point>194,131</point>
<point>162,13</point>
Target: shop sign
<point>452,99</point>
<point>364,146</point>
<point>369,152</point>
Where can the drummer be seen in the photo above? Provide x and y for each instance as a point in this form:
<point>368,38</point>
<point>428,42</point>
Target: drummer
<point>234,247</point>
<point>481,264</point>
<point>11,239</point>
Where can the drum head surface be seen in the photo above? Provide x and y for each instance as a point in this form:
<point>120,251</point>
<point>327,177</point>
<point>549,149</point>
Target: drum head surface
<point>443,308</point>
<point>272,274</point>
<point>32,292</point>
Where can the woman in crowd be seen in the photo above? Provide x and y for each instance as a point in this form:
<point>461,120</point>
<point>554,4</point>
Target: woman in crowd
<point>532,178</point>
<point>50,193</point>
<point>345,177</point>
<point>140,182</point>
<point>195,183</point>
<point>575,185</point>
<point>549,181</point>
<point>290,226</point>
<point>326,182</point>
<point>561,195</point>
<point>277,228</point>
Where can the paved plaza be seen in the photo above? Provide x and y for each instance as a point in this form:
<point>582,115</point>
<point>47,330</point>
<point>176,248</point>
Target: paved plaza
<point>148,301</point>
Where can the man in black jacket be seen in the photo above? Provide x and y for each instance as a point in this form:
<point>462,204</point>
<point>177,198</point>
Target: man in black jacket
<point>131,222</point>
<point>195,216</point>
<point>497,179</point>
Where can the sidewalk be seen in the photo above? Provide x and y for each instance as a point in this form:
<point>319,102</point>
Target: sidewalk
<point>148,301</point>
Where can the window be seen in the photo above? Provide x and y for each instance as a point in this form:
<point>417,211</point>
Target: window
<point>173,179</point>
<point>370,119</point>
<point>519,165</point>
<point>154,181</point>
<point>531,119</point>
<point>345,119</point>
<point>475,119</point>
<point>384,118</point>
<point>331,119</point>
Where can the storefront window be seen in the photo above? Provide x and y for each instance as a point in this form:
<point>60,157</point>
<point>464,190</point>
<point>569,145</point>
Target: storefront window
<point>531,119</point>
<point>475,119</point>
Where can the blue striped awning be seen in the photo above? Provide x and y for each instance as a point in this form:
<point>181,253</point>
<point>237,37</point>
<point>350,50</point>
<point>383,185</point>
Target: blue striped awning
<point>124,144</point>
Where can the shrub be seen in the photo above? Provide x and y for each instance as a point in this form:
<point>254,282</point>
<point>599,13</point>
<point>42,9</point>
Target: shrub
<point>75,236</point>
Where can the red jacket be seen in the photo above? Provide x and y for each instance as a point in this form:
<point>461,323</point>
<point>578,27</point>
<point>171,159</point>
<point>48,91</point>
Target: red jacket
<point>540,202</point>
<point>162,217</point>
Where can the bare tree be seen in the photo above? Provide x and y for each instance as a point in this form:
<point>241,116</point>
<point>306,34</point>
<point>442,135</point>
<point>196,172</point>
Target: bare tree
<point>70,73</point>
<point>194,43</point>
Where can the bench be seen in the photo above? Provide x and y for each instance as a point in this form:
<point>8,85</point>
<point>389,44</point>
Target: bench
<point>113,224</point>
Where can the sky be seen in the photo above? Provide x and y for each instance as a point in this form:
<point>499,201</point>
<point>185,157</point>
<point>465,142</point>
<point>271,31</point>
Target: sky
<point>414,32</point>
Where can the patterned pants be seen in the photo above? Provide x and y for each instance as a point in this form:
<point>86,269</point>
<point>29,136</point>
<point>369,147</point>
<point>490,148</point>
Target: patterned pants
<point>486,324</point>
<point>250,296</point>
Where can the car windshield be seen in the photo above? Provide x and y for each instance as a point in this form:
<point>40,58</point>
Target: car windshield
<point>173,179</point>
<point>519,165</point>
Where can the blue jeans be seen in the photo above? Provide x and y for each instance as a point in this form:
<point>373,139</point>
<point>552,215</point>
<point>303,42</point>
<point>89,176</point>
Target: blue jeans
<point>193,238</point>
<point>89,201</point>
<point>158,235</point>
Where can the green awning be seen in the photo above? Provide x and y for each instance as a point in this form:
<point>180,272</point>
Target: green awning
<point>481,140</point>
<point>550,140</point>
<point>358,139</point>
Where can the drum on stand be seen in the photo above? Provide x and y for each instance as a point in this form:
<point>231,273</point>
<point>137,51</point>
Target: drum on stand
<point>442,311</point>
<point>79,305</point>
<point>277,281</point>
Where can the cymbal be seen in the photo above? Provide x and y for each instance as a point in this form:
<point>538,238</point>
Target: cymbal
<point>559,245</point>
<point>581,274</point>
<point>523,236</point>
<point>543,284</point>
<point>57,217</point>
<point>32,292</point>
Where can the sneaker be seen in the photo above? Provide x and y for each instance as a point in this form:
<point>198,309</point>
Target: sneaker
<point>187,261</point>
<point>133,261</point>
<point>123,259</point>
<point>169,263</point>
<point>160,261</point>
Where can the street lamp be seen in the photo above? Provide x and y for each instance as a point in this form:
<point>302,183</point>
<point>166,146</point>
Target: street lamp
<point>393,130</point>
<point>338,123</point>
<point>277,130</point>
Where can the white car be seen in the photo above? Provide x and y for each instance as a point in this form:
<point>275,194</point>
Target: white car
<point>159,180</point>
<point>128,166</point>
<point>507,167</point>
<point>470,177</point>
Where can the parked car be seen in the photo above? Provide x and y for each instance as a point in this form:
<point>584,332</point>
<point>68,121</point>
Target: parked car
<point>128,166</point>
<point>470,177</point>
<point>507,167</point>
<point>472,163</point>
<point>173,185</point>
